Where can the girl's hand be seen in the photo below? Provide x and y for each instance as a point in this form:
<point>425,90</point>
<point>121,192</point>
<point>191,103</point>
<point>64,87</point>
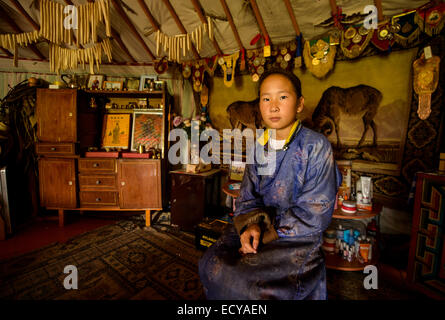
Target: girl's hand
<point>250,239</point>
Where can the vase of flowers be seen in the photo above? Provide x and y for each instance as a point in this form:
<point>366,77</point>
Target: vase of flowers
<point>198,123</point>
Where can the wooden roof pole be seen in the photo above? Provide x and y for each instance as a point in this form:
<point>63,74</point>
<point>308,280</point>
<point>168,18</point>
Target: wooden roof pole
<point>124,16</point>
<point>148,14</point>
<point>17,29</point>
<point>9,54</point>
<point>198,10</point>
<point>259,19</point>
<point>378,4</point>
<point>180,25</point>
<point>25,14</point>
<point>27,17</point>
<point>334,7</point>
<point>292,16</point>
<point>232,24</point>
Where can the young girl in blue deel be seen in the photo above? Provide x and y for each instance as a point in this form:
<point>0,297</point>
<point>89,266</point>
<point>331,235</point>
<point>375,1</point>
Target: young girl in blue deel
<point>273,249</point>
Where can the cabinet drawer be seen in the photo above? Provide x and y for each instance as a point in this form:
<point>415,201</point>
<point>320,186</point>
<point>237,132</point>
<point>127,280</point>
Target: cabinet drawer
<point>98,198</point>
<point>97,182</point>
<point>97,165</point>
<point>55,148</point>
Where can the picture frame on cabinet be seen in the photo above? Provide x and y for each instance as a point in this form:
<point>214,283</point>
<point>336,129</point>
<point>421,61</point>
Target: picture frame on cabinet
<point>147,130</point>
<point>113,85</point>
<point>95,81</point>
<point>159,85</point>
<point>116,131</point>
<point>236,171</point>
<point>147,82</point>
<point>133,84</point>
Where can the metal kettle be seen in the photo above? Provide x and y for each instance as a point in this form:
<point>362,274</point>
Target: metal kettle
<point>72,82</point>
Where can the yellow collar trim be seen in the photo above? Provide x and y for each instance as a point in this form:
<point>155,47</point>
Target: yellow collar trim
<point>265,136</point>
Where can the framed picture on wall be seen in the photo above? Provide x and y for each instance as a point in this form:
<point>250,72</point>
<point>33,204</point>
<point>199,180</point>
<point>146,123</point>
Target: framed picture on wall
<point>147,130</point>
<point>116,131</point>
<point>95,81</point>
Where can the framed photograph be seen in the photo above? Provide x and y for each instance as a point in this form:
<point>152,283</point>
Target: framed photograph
<point>133,84</point>
<point>148,128</point>
<point>147,82</point>
<point>237,170</point>
<point>159,85</point>
<point>113,85</point>
<point>95,81</point>
<point>116,131</point>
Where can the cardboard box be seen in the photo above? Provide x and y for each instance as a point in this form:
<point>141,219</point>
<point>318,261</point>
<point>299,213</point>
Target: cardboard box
<point>208,232</point>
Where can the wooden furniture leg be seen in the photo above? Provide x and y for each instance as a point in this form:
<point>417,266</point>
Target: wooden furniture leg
<point>147,218</point>
<point>61,217</point>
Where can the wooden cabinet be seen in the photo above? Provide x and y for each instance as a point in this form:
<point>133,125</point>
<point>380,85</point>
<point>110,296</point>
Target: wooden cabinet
<point>56,114</point>
<point>140,184</point>
<point>57,180</point>
<point>68,180</point>
<point>426,262</point>
<point>194,196</point>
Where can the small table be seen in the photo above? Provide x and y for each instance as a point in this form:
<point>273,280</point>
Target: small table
<point>334,261</point>
<point>233,193</point>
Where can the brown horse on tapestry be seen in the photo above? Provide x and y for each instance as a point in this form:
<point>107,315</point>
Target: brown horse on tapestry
<point>352,101</point>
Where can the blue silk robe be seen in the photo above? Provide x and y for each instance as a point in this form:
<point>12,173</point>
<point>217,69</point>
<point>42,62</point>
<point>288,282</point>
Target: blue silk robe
<point>301,192</point>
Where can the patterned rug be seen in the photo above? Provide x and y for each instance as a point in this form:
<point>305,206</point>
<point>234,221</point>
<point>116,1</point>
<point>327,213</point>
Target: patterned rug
<point>125,261</point>
<point>120,261</point>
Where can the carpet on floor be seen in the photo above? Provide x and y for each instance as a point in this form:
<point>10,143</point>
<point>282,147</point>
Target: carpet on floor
<point>120,261</point>
<point>126,260</point>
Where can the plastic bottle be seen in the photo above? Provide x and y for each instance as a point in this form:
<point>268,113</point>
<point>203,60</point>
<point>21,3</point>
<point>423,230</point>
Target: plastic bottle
<point>340,232</point>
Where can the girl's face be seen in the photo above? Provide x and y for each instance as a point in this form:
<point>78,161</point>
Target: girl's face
<point>279,104</point>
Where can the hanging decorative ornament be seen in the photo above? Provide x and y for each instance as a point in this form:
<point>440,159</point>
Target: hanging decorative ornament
<point>430,18</point>
<point>177,46</point>
<point>319,56</point>
<point>210,68</point>
<point>408,30</point>
<point>426,78</point>
<point>198,76</point>
<point>204,97</point>
<point>89,15</point>
<point>354,40</point>
<point>161,66</point>
<point>242,65</point>
<point>255,62</point>
<point>284,54</point>
<point>298,60</point>
<point>266,49</point>
<point>383,38</point>
<point>228,64</point>
<point>338,18</point>
<point>186,69</point>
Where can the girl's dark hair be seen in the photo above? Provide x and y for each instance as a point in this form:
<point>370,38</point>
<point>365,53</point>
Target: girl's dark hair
<point>296,83</point>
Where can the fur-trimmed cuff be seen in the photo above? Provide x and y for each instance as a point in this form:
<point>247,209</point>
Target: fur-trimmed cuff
<point>243,221</point>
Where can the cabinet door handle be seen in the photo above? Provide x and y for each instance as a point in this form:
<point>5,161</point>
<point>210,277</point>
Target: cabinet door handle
<point>70,114</point>
<point>95,165</point>
<point>123,183</point>
<point>70,183</point>
<point>53,148</point>
<point>98,199</point>
<point>98,182</point>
